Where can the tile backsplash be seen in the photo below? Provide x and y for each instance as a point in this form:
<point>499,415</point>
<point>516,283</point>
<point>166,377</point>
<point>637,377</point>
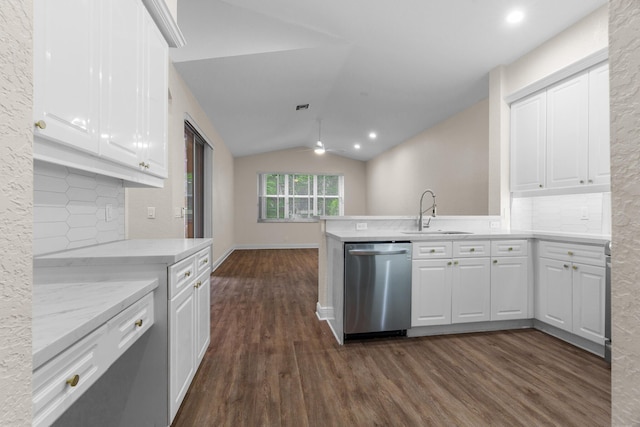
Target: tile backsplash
<point>588,213</point>
<point>70,208</point>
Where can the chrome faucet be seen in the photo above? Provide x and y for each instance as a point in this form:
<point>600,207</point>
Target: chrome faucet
<point>422,211</point>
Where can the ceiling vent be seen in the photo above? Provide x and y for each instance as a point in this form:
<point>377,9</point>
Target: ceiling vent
<point>302,107</point>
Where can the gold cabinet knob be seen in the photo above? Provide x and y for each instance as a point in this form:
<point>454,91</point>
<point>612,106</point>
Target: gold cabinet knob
<point>141,164</point>
<point>566,266</point>
<point>570,253</point>
<point>146,166</point>
<point>495,261</point>
<point>449,263</point>
<point>575,267</point>
<point>139,323</point>
<point>582,181</point>
<point>510,249</point>
<point>73,381</point>
<point>198,284</point>
<point>41,124</point>
<point>590,181</point>
<point>540,185</point>
<point>455,262</point>
<point>187,274</point>
<point>432,251</point>
<point>472,250</point>
<point>206,260</point>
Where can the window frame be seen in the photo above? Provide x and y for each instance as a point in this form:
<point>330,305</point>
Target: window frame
<point>288,197</point>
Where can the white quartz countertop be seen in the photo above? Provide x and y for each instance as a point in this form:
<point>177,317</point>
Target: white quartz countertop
<point>133,251</point>
<point>433,235</point>
<point>63,313</point>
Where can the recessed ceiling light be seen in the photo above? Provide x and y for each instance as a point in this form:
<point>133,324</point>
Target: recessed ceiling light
<point>515,17</point>
<point>372,135</point>
<point>356,146</point>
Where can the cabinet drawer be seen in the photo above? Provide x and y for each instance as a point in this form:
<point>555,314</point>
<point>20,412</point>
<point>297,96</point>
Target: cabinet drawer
<point>128,326</point>
<point>203,260</point>
<point>471,248</point>
<point>509,248</point>
<point>427,250</point>
<point>584,254</point>
<point>59,382</point>
<point>181,274</point>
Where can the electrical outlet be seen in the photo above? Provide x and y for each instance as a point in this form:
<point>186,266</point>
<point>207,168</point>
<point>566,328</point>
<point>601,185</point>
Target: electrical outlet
<point>361,226</point>
<point>585,213</point>
<point>108,212</point>
<point>178,212</point>
<point>151,212</point>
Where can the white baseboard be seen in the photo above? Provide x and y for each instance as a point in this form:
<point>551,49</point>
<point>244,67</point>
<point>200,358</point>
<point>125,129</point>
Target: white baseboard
<point>324,313</point>
<point>220,260</point>
<point>278,246</point>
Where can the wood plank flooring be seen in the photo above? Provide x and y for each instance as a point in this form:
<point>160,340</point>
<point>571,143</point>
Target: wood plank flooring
<point>272,363</point>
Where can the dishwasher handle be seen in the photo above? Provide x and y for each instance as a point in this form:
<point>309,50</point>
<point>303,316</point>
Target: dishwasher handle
<point>369,252</point>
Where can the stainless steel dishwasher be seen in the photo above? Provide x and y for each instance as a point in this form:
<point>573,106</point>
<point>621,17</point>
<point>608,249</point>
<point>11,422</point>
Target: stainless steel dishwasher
<point>377,289</point>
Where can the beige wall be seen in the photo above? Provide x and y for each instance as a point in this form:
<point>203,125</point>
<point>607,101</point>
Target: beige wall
<point>250,233</point>
<point>16,207</point>
<point>582,39</point>
<point>166,199</point>
<point>449,158</point>
<point>624,61</point>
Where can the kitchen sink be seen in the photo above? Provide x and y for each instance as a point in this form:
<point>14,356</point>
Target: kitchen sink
<point>436,232</point>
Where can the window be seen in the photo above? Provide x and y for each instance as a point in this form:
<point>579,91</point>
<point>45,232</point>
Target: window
<point>198,161</point>
<point>299,197</point>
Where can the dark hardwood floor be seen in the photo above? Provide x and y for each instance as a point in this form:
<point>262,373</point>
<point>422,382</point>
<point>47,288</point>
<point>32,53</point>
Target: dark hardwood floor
<point>272,363</point>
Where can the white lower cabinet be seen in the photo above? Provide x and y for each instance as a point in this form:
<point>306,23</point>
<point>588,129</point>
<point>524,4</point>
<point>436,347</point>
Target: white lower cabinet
<point>189,324</point>
<point>431,292</point>
<point>509,288</point>
<point>471,290</point>
<point>571,295</point>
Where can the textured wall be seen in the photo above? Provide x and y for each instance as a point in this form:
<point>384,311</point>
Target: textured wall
<point>16,211</point>
<point>69,208</point>
<point>624,60</point>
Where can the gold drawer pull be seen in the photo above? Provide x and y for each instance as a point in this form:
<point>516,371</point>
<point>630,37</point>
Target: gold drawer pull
<point>570,253</point>
<point>433,251</point>
<point>206,260</point>
<point>73,381</point>
<point>575,267</point>
<point>472,250</point>
<point>495,261</point>
<point>187,274</point>
<point>510,249</point>
<point>198,284</point>
<point>41,124</point>
<point>139,323</point>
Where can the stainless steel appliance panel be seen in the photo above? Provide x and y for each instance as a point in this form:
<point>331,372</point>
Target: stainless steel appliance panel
<point>377,287</point>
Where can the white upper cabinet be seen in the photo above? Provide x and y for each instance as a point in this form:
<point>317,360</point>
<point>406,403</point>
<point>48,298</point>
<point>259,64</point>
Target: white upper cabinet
<point>567,132</point>
<point>100,89</point>
<point>121,81</point>
<point>560,136</point>
<point>67,67</point>
<point>528,141</point>
<point>599,162</point>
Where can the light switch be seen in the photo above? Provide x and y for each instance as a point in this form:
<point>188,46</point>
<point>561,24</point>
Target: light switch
<point>108,212</point>
<point>151,212</point>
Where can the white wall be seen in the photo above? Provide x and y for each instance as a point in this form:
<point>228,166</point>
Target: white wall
<point>166,199</point>
<point>450,158</point>
<point>16,198</point>
<point>250,233</point>
<point>624,61</point>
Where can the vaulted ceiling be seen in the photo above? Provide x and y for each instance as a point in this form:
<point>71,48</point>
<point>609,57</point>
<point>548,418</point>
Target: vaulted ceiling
<point>395,67</point>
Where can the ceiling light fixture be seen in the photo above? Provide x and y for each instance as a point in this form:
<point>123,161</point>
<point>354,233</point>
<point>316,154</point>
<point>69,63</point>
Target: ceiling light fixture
<point>515,17</point>
<point>372,135</point>
<point>356,146</point>
<point>319,145</point>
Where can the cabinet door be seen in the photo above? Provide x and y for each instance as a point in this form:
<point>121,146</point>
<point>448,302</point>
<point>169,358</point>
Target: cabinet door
<point>509,288</point>
<point>471,290</point>
<point>122,77</point>
<point>66,68</point>
<point>554,299</point>
<point>528,141</point>
<point>431,292</point>
<point>182,347</point>
<point>599,165</point>
<point>567,132</point>
<point>154,120</point>
<point>588,301</point>
<point>203,316</point>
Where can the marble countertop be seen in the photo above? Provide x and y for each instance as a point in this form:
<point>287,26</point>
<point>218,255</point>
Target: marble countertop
<point>134,251</point>
<point>63,313</point>
<point>432,235</point>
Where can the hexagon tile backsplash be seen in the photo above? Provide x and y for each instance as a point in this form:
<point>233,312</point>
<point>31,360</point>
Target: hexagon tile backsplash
<point>70,208</point>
